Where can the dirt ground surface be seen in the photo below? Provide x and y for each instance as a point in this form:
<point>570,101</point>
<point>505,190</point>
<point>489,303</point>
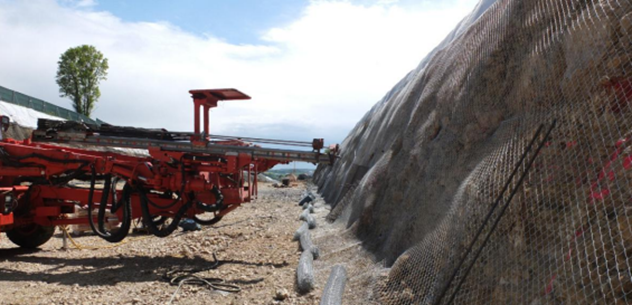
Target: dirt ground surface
<point>253,245</point>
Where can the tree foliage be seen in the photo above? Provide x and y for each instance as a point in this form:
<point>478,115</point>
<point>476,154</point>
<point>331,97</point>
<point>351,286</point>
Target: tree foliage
<point>79,72</point>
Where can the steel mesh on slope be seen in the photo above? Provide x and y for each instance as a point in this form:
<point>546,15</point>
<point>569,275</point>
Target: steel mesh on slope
<point>566,237</point>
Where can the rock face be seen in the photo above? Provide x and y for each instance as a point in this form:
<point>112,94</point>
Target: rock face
<point>421,170</point>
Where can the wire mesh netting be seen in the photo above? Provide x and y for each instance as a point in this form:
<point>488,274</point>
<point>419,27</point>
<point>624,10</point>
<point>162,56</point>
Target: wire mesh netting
<point>566,236</point>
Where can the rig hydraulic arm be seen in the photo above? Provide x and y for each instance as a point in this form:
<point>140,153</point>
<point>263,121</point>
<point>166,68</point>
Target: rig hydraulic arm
<point>172,175</point>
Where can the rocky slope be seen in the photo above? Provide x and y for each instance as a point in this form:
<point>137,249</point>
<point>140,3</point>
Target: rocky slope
<point>420,171</point>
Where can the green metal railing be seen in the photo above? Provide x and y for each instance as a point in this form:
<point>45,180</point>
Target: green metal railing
<point>17,98</point>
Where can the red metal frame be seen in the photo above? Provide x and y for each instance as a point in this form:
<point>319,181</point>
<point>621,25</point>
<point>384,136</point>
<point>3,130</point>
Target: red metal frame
<point>208,99</point>
<point>193,175</point>
<point>6,220</point>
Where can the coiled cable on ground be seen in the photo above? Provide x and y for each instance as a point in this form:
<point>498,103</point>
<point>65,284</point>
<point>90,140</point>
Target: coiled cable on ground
<point>181,277</point>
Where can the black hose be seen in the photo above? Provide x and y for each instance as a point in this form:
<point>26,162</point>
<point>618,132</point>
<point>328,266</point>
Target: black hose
<point>218,206</point>
<point>124,202</point>
<point>208,222</point>
<point>105,195</point>
<point>219,202</point>
<point>164,207</point>
<point>90,203</point>
<point>147,217</point>
<point>71,175</point>
<point>159,220</point>
<point>127,211</point>
<point>116,202</point>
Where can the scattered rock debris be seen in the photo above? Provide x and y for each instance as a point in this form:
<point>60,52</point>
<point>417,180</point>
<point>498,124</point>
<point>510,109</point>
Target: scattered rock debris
<point>253,244</point>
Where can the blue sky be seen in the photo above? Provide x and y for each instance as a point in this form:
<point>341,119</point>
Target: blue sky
<point>312,68</point>
<point>238,22</point>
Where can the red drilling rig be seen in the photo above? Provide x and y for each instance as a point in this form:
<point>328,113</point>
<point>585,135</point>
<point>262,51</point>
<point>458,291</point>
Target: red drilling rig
<point>196,175</point>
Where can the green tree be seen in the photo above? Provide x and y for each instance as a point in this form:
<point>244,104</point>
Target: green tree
<point>79,72</point>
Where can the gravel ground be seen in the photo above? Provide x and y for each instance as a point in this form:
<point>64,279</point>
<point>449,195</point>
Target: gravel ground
<point>253,245</point>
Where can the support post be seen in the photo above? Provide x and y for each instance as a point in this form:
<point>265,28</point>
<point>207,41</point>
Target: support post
<point>207,127</point>
<point>196,117</point>
<point>64,239</point>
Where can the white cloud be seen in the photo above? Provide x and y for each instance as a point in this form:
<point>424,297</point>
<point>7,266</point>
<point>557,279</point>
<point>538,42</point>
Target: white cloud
<point>86,3</point>
<point>322,72</point>
<point>387,1</point>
